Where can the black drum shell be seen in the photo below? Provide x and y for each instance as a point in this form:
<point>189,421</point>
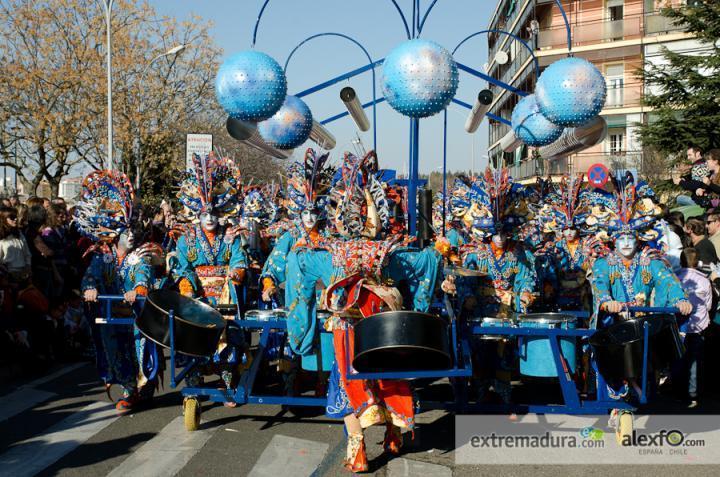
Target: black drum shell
<point>401,341</point>
<point>618,348</point>
<point>198,326</point>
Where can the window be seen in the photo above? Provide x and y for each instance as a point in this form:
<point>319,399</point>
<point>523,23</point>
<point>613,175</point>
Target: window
<point>615,77</point>
<point>616,142</point>
<point>615,10</point>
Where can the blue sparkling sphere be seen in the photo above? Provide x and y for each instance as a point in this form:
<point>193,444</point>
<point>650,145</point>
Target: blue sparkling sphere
<point>290,126</point>
<point>530,126</point>
<point>250,86</point>
<point>571,92</point>
<point>419,78</point>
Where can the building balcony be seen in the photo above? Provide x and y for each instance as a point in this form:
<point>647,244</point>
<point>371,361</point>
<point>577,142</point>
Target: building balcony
<point>625,96</point>
<point>657,24</point>
<point>576,164</point>
<point>589,33</point>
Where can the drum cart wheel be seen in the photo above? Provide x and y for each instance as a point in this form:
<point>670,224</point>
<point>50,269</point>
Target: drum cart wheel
<point>624,426</point>
<point>191,413</point>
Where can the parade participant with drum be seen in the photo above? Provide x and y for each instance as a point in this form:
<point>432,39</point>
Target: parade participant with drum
<point>360,268</point>
<point>633,274</point>
<point>210,262</point>
<point>564,213</point>
<point>492,208</point>
<point>105,213</point>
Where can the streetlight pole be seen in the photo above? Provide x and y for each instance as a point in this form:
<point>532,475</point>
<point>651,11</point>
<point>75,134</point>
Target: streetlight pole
<point>172,51</point>
<point>108,4</point>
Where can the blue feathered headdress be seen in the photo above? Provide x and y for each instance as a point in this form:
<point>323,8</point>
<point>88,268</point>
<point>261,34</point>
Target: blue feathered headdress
<point>308,184</point>
<point>105,208</point>
<point>212,186</point>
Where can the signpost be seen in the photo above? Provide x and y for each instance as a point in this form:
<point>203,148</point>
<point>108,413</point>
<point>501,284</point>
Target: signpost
<point>200,144</point>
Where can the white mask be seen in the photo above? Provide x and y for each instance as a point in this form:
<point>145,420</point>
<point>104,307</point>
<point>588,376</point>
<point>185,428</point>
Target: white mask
<point>570,234</point>
<point>499,240</point>
<point>126,240</point>
<point>309,219</point>
<point>208,222</point>
<point>626,245</point>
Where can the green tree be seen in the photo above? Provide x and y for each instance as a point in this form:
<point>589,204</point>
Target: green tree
<point>684,89</point>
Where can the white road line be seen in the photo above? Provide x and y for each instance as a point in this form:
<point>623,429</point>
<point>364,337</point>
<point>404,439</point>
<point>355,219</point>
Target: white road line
<point>25,397</point>
<point>21,400</point>
<point>53,376</point>
<point>166,453</point>
<point>400,467</point>
<point>285,454</point>
<point>31,456</point>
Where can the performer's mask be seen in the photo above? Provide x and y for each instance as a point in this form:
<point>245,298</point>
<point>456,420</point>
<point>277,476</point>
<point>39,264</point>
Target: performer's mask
<point>570,234</point>
<point>126,240</point>
<point>208,221</point>
<point>309,218</point>
<point>499,240</point>
<point>626,245</point>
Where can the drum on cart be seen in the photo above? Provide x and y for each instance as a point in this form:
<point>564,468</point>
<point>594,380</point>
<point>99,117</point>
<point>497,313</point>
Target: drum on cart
<point>323,356</point>
<point>266,315</point>
<point>197,326</point>
<point>619,348</point>
<point>401,341</point>
<point>490,321</point>
<point>536,356</point>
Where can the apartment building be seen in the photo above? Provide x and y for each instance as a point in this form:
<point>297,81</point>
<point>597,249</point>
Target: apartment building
<point>615,35</point>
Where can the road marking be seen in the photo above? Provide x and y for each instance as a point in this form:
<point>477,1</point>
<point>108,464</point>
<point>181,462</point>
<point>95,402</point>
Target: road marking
<point>53,376</point>
<point>31,456</point>
<point>400,467</point>
<point>21,400</point>
<point>26,397</point>
<point>289,453</point>
<point>166,453</point>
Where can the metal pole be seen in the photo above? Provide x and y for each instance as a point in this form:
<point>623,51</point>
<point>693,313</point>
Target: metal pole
<point>108,27</point>
<point>413,179</point>
<point>444,186</point>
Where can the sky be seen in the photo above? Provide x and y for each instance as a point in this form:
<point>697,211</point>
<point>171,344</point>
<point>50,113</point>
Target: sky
<point>376,25</point>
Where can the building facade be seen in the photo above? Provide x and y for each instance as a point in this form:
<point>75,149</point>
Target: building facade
<point>617,36</point>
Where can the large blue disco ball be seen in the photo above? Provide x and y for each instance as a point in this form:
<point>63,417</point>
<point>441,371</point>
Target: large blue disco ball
<point>250,86</point>
<point>571,92</point>
<point>419,78</point>
<point>530,126</point>
<point>290,126</point>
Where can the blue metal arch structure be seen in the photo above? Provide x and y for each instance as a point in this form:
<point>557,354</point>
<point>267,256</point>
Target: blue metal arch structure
<point>418,23</point>
<point>370,64</point>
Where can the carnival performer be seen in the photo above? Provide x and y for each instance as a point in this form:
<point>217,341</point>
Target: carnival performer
<point>357,266</point>
<point>104,214</point>
<point>492,208</point>
<point>210,262</point>
<point>308,183</point>
<point>633,274</point>
<point>564,214</point>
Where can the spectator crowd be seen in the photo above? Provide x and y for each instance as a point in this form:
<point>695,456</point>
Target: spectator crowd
<point>42,260</point>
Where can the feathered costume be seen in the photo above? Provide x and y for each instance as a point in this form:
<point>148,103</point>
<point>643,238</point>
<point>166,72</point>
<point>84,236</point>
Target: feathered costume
<point>104,212</point>
<point>211,264</point>
<point>356,266</point>
<point>488,205</point>
<point>566,207</point>
<point>647,275</point>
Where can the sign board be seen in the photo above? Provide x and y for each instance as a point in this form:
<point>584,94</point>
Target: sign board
<point>200,144</point>
<point>598,175</point>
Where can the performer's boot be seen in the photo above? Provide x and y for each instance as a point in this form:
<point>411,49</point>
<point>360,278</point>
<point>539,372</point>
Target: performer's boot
<point>128,401</point>
<point>393,439</point>
<point>356,458</point>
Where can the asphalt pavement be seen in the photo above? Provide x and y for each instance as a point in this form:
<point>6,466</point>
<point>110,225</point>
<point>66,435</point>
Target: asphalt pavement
<point>63,425</point>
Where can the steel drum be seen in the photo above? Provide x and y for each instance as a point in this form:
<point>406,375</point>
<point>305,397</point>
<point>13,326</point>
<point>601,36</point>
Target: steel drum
<point>266,315</point>
<point>618,349</point>
<point>536,356</point>
<point>327,348</point>
<point>197,329</point>
<point>401,341</point>
<point>493,321</point>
